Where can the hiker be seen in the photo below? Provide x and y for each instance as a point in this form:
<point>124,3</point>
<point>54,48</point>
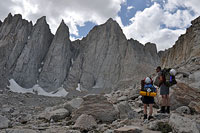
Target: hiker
<point>147,99</point>
<point>164,87</point>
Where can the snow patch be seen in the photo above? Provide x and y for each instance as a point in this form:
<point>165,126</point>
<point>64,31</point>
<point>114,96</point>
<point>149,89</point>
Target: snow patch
<point>79,87</point>
<point>36,89</point>
<point>39,70</point>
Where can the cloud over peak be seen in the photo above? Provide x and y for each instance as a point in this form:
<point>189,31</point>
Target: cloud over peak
<point>156,21</point>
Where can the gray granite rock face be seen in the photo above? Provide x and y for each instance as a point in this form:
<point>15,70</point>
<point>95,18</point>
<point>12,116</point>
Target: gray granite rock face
<point>106,58</point>
<point>100,62</point>
<point>140,61</point>
<point>26,72</point>
<point>186,47</point>
<point>58,60</point>
<point>14,33</point>
<point>0,23</point>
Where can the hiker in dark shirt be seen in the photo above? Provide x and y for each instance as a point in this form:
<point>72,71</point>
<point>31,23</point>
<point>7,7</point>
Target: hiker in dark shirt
<point>164,92</point>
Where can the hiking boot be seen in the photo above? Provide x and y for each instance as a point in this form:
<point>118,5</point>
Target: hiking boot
<point>145,116</point>
<point>162,110</point>
<point>168,110</point>
<point>150,117</point>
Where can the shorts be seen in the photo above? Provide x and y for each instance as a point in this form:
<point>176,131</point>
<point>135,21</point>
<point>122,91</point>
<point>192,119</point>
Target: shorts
<point>164,90</point>
<point>147,100</point>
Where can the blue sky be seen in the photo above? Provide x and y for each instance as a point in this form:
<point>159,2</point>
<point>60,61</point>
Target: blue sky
<point>135,5</point>
<point>156,21</point>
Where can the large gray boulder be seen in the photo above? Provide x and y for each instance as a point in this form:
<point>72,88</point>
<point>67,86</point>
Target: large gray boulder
<point>4,122</point>
<point>58,60</point>
<point>26,72</point>
<point>125,111</point>
<point>85,122</point>
<point>73,104</point>
<point>182,124</point>
<point>98,107</point>
<point>55,115</point>
<point>183,110</point>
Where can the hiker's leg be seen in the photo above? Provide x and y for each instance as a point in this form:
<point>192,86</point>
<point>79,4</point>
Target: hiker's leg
<point>145,111</point>
<point>145,108</point>
<point>168,100</point>
<point>168,105</point>
<point>150,109</point>
<point>163,103</point>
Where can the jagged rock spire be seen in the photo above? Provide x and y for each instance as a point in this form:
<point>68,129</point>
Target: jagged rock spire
<point>0,23</point>
<point>58,60</point>
<point>26,72</point>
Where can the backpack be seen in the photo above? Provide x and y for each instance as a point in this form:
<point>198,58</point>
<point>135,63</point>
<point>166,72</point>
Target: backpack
<point>157,81</point>
<point>169,80</point>
<point>147,89</point>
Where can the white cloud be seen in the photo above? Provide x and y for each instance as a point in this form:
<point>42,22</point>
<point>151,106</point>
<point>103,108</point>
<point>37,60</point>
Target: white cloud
<point>145,26</point>
<point>179,19</point>
<point>144,23</point>
<point>130,7</point>
<point>74,12</point>
<point>193,5</point>
<point>161,25</point>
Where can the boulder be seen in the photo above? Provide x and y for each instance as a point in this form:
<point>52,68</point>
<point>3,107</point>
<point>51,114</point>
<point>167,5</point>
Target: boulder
<point>98,107</point>
<point>128,129</point>
<point>125,111</point>
<point>4,122</point>
<point>183,110</point>
<point>160,125</point>
<point>85,122</point>
<point>160,116</point>
<point>73,104</point>
<point>20,131</point>
<point>195,106</point>
<point>182,124</point>
<point>54,115</point>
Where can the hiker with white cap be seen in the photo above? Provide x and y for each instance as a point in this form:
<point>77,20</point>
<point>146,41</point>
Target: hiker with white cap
<point>148,91</point>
